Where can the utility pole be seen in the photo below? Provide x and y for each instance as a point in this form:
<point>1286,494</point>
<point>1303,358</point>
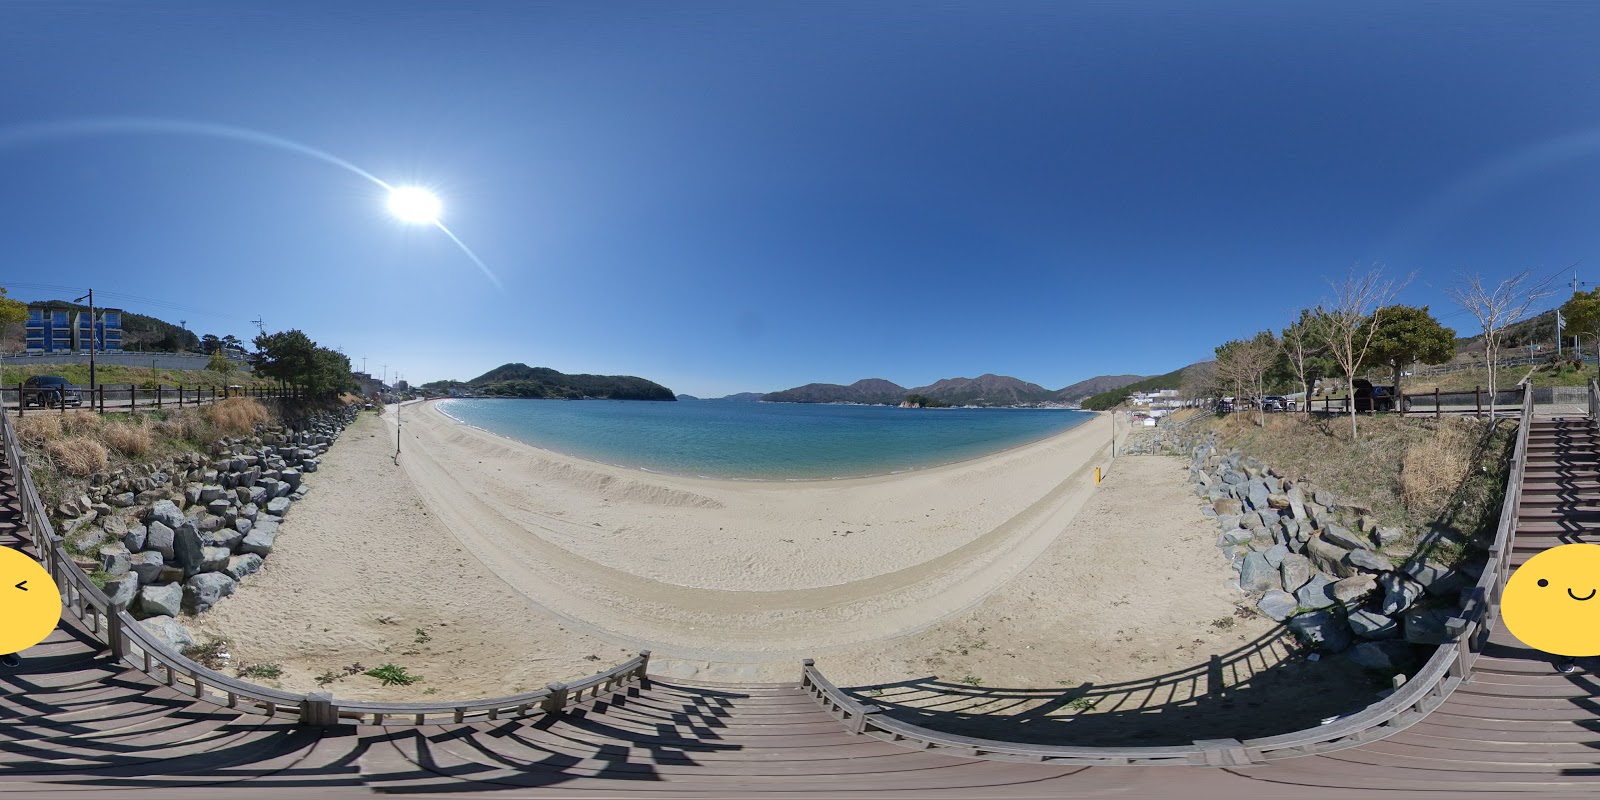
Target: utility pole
<point>90,298</point>
<point>261,327</point>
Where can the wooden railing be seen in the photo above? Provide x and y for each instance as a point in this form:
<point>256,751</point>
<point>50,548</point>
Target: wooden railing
<point>132,644</point>
<point>1449,665</point>
<point>127,397</point>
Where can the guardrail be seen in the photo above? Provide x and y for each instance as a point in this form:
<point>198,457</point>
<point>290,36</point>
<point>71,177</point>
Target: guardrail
<point>129,642</point>
<point>126,398</point>
<point>1449,665</point>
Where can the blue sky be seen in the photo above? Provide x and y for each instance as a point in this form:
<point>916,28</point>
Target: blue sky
<point>749,196</point>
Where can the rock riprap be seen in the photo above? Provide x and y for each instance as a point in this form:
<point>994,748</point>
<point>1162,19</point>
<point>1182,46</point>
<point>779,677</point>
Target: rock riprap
<point>1313,560</point>
<point>178,536</point>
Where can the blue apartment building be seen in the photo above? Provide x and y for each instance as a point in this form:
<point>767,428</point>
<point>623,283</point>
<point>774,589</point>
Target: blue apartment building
<point>59,330</point>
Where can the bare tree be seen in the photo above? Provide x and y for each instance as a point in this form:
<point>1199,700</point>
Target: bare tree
<point>1245,364</point>
<point>1304,343</point>
<point>1497,307</point>
<point>1347,315</point>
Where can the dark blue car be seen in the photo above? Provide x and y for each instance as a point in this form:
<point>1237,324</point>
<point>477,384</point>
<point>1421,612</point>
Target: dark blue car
<point>50,391</point>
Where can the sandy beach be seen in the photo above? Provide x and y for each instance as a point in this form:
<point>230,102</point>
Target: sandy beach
<point>525,566</point>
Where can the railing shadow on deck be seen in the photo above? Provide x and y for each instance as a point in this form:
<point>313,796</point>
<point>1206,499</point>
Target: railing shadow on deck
<point>1261,688</point>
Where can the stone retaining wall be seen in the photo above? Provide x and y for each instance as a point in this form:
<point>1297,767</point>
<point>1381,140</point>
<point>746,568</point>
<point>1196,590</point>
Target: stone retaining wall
<point>1318,563</point>
<point>178,536</point>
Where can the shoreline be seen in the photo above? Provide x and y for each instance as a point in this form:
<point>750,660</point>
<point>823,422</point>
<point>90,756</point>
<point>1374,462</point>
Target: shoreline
<point>432,403</point>
<point>526,567</point>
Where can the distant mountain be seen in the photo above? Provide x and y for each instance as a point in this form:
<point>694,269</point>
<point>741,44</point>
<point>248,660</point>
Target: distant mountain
<point>687,397</point>
<point>1100,383</point>
<point>871,391</point>
<point>986,390</point>
<point>521,380</point>
<point>742,397</point>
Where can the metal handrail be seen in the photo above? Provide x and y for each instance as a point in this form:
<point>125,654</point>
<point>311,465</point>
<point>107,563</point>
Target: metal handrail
<point>1446,669</point>
<point>131,643</point>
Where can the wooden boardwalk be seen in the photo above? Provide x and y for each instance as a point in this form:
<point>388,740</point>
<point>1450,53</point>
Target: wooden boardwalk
<point>74,719</point>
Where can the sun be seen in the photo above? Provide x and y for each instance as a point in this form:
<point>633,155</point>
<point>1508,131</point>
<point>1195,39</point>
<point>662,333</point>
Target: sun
<point>414,204</point>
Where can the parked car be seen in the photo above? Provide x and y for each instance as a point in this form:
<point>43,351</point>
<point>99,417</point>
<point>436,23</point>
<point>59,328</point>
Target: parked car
<point>1373,398</point>
<point>1275,402</point>
<point>50,391</point>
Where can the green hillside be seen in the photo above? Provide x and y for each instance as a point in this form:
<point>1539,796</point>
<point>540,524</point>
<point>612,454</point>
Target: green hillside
<point>1105,400</point>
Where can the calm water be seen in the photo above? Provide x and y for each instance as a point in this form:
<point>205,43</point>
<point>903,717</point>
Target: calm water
<point>774,441</point>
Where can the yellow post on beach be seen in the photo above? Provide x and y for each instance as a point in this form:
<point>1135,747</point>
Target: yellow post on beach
<point>1097,476</point>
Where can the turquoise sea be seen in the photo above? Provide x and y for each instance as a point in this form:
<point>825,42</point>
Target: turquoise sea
<point>761,441</point>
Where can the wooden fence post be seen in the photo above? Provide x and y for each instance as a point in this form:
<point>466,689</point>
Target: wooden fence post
<point>22,402</point>
<point>159,393</point>
<point>180,395</point>
<point>318,709</point>
<point>1435,402</point>
<point>102,391</point>
<point>115,639</point>
<point>556,700</point>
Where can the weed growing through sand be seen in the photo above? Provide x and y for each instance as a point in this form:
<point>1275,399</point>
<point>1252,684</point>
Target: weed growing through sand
<point>329,677</point>
<point>268,671</point>
<point>422,636</point>
<point>1222,623</point>
<point>354,669</point>
<point>1082,703</point>
<point>211,655</point>
<point>971,681</point>
<point>393,675</point>
<point>431,690</point>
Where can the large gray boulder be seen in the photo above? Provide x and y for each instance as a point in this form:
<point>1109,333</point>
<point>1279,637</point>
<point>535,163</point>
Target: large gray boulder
<point>1436,579</point>
<point>162,599</point>
<point>1383,537</point>
<point>187,549</point>
<point>205,590</point>
<point>240,566</point>
<point>1369,561</point>
<point>291,477</point>
<point>1256,575</point>
<point>242,524</point>
<point>1328,557</point>
<point>278,506</point>
<point>167,513</point>
<point>1294,571</point>
<point>214,559</point>
<point>210,492</point>
<point>1387,656</point>
<point>1340,536</point>
<point>160,538</point>
<point>1276,554</point>
<point>115,560</point>
<point>226,538</point>
<point>1257,494</point>
<point>1315,594</point>
<point>146,565</point>
<point>122,590</point>
<point>1227,506</point>
<point>1399,592</point>
<point>1350,591</point>
<point>134,539</point>
<point>1297,503</point>
<point>1321,630</point>
<point>260,540</point>
<point>167,631</point>
<point>1277,604</point>
<point>1370,625</point>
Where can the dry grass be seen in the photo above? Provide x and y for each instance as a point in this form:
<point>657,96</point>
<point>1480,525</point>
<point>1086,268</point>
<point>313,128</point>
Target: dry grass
<point>1373,471</point>
<point>132,439</point>
<point>236,416</point>
<point>79,423</point>
<point>78,456</point>
<point>35,430</point>
<point>1431,470</point>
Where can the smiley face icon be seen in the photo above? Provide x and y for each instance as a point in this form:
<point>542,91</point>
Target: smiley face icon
<point>30,603</point>
<point>1552,602</point>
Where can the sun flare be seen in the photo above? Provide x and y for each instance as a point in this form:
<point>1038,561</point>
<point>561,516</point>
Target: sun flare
<point>414,204</point>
